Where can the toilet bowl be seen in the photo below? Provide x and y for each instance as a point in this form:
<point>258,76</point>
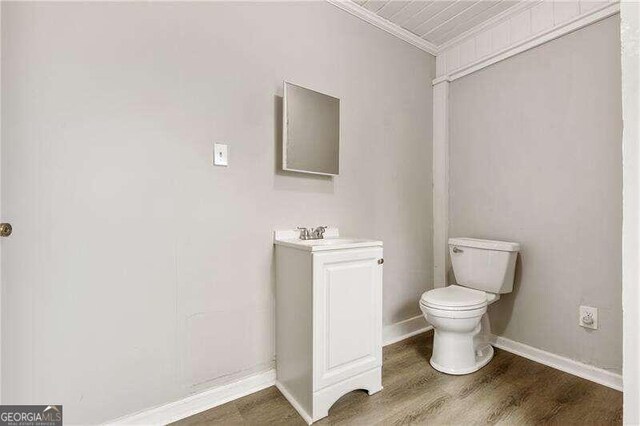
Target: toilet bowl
<point>458,313</point>
<point>460,342</point>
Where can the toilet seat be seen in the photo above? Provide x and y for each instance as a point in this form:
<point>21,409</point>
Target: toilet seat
<point>454,298</point>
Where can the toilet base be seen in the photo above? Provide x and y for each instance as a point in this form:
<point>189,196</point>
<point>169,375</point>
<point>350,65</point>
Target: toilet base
<point>482,358</point>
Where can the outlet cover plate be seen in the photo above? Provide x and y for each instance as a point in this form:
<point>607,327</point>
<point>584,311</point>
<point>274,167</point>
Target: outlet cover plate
<point>588,317</point>
<point>220,154</point>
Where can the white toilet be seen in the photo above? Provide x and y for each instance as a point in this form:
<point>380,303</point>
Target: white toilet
<point>484,269</point>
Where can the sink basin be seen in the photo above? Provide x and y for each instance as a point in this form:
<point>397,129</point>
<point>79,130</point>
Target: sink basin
<point>332,242</point>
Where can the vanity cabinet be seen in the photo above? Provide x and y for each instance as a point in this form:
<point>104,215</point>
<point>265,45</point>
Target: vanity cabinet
<point>328,320</point>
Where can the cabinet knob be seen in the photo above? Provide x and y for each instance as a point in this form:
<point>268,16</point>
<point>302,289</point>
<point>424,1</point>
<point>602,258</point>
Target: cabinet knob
<point>380,261</point>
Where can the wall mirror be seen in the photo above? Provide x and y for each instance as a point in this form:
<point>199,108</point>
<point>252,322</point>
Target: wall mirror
<point>311,131</point>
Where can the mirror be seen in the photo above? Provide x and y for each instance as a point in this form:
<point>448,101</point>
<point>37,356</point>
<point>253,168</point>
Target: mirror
<point>311,131</point>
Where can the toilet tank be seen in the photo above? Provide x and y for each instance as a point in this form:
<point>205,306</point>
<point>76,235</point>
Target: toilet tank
<point>485,265</point>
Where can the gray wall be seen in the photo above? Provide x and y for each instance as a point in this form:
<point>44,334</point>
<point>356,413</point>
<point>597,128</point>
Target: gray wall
<point>139,272</point>
<point>536,158</point>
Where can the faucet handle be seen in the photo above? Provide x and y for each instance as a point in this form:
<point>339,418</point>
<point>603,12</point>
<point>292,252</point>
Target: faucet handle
<point>304,233</point>
<point>319,232</point>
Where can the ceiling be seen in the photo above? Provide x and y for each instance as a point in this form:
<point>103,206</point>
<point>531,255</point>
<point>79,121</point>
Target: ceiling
<point>436,21</point>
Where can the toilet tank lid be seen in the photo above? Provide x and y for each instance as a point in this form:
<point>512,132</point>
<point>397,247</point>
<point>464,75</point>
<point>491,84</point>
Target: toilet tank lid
<point>484,244</point>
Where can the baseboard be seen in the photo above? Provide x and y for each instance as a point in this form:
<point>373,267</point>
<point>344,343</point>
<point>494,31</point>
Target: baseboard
<point>404,329</point>
<point>211,398</point>
<point>199,402</point>
<point>294,403</point>
<point>589,372</point>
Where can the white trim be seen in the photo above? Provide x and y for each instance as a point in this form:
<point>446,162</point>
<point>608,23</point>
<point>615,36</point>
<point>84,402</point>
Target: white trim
<point>296,405</point>
<point>459,63</point>
<point>1,400</point>
<point>399,331</point>
<point>440,80</point>
<point>440,177</point>
<point>377,21</point>
<point>630,33</point>
<point>200,402</point>
<point>589,372</point>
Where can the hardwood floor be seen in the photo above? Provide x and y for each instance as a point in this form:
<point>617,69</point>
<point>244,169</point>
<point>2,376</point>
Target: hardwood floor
<point>510,390</point>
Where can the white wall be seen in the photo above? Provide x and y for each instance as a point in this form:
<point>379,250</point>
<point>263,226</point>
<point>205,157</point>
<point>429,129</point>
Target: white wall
<point>535,157</point>
<point>138,272</point>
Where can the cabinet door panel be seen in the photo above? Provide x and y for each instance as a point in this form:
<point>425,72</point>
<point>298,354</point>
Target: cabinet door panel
<point>347,314</point>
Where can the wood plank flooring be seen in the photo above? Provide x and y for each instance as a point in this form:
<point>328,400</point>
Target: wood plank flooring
<point>510,390</point>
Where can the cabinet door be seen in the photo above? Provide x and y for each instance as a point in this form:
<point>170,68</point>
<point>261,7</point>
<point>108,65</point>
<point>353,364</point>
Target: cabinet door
<point>347,314</point>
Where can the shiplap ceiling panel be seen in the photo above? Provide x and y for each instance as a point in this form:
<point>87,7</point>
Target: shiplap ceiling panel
<point>432,10</point>
<point>375,5</point>
<point>413,8</point>
<point>449,14</point>
<point>392,7</point>
<point>436,21</point>
<point>468,13</point>
<point>466,24</point>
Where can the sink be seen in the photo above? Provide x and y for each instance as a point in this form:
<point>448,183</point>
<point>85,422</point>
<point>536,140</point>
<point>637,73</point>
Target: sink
<point>331,242</point>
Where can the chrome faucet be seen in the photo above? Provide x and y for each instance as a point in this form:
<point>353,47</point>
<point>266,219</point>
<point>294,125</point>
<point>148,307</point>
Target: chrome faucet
<point>312,234</point>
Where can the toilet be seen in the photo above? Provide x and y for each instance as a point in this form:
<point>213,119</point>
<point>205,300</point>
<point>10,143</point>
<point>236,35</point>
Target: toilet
<point>484,269</point>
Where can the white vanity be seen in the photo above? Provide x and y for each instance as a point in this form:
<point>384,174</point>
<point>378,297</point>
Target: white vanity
<point>328,319</point>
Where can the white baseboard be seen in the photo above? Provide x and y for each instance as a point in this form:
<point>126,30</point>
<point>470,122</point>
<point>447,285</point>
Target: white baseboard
<point>561,363</point>
<point>199,402</point>
<point>285,392</point>
<point>404,329</point>
<point>211,398</point>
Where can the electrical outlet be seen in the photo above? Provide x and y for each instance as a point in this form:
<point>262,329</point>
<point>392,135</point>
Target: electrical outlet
<point>588,317</point>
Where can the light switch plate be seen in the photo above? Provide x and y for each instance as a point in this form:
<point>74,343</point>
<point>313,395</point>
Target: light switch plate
<point>220,152</point>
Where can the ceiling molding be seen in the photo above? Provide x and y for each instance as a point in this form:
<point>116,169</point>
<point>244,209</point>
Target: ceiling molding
<point>383,24</point>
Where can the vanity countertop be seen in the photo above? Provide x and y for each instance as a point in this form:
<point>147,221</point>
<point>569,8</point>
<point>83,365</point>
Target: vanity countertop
<point>331,241</point>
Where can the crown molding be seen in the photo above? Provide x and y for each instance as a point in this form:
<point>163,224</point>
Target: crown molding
<point>383,24</point>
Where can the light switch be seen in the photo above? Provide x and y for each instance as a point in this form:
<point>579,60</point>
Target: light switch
<point>220,154</point>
